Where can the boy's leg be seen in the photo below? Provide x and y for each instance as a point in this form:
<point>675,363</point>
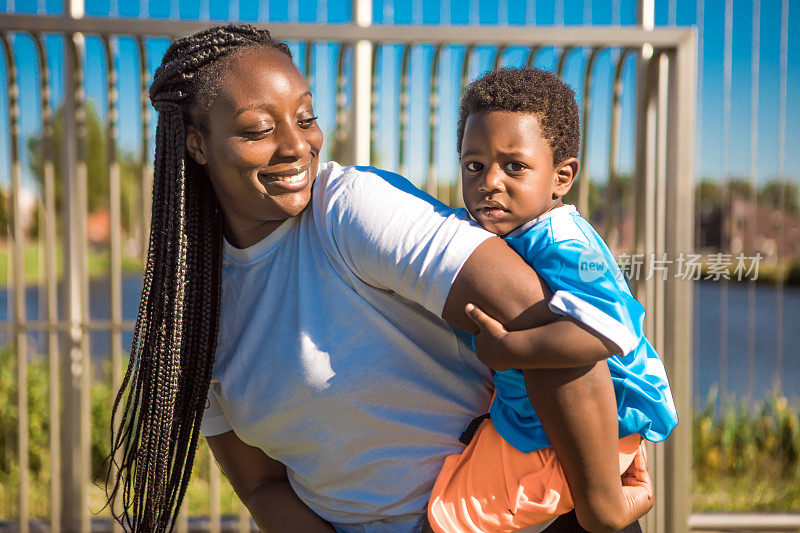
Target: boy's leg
<point>578,411</point>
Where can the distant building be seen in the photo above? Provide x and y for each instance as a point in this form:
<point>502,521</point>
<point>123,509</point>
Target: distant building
<point>750,228</point>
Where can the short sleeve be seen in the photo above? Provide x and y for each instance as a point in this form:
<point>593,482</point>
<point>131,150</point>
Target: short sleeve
<point>395,237</point>
<point>588,286</point>
<point>214,421</point>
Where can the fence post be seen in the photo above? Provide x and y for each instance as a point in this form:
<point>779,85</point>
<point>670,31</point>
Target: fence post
<point>362,86</point>
<point>77,369</point>
<point>679,293</point>
<point>645,182</point>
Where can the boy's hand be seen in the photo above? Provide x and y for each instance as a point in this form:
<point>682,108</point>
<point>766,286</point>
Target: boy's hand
<point>490,341</point>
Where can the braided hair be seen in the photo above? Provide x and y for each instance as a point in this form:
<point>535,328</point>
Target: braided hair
<point>162,397</point>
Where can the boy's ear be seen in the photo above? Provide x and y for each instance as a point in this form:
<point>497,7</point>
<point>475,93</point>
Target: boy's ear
<point>194,145</point>
<point>566,171</point>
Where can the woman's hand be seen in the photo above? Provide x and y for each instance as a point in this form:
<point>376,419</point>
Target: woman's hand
<point>637,486</point>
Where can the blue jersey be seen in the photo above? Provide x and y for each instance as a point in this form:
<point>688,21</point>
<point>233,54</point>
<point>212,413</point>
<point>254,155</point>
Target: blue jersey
<point>588,286</point>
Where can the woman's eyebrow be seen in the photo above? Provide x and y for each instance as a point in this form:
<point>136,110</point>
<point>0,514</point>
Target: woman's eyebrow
<point>264,105</point>
<point>248,107</point>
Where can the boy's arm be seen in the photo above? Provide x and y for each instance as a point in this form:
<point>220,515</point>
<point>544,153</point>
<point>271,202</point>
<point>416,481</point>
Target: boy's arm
<point>577,409</point>
<point>564,343</point>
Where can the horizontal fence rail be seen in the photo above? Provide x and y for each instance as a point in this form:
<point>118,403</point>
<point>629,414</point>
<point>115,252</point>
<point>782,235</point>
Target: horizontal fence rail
<point>391,92</point>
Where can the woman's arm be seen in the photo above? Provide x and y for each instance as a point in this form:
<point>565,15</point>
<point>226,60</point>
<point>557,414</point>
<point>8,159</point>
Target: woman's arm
<point>261,484</point>
<point>496,279</point>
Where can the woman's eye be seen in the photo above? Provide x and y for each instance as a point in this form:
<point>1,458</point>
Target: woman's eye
<point>307,122</point>
<point>474,166</point>
<point>514,166</point>
<point>257,134</point>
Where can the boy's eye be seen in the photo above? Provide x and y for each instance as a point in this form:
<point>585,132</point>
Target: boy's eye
<point>474,166</point>
<point>306,122</point>
<point>514,166</point>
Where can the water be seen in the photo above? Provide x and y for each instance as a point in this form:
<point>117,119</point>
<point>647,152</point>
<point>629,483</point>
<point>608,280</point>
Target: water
<point>708,340</point>
<point>708,323</point>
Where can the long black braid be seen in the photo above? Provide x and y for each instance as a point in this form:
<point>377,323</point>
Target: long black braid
<point>162,397</point>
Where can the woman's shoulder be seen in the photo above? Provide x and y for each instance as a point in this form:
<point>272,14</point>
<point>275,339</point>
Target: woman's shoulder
<point>357,185</point>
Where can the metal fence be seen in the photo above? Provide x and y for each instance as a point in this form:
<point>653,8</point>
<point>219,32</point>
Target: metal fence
<point>64,326</point>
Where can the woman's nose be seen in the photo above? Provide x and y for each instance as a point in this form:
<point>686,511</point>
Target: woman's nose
<point>292,142</point>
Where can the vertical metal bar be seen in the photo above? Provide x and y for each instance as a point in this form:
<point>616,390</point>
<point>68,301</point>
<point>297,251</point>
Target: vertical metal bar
<point>465,67</point>
<point>611,232</point>
<point>309,70</point>
<point>182,525</point>
<point>74,462</point>
<point>784,62</point>
<point>532,52</point>
<point>144,147</point>
<point>18,284</point>
<point>80,198</point>
<point>726,205</point>
<point>215,524</point>
<point>646,129</point>
<point>679,292</point>
<point>362,85</point>
<point>459,201</point>
<point>244,519</point>
<point>115,213</point>
<point>660,222</point>
<point>562,60</point>
<point>50,266</point>
<point>342,129</point>
<point>432,183</point>
<point>373,109</point>
<point>498,57</point>
<point>584,183</point>
<point>643,184</point>
<point>403,114</point>
<point>755,57</point>
<point>700,23</point>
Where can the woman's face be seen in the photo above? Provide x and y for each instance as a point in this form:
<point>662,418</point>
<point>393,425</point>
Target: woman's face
<point>262,146</point>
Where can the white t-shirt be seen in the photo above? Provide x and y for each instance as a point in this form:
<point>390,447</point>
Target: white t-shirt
<point>332,356</point>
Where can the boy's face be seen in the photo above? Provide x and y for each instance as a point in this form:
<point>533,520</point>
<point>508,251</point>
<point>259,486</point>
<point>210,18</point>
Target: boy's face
<point>507,170</point>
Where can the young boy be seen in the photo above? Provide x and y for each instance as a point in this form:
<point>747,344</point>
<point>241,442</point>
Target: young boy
<point>518,139</point>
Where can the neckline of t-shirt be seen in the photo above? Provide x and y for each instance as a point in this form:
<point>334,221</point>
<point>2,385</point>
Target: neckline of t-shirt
<point>565,209</point>
<point>259,249</point>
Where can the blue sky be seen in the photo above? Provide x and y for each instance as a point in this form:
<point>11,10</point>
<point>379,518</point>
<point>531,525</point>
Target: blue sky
<point>711,118</point>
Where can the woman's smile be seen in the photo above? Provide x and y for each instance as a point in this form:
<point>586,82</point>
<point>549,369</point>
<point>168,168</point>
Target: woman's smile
<point>288,181</point>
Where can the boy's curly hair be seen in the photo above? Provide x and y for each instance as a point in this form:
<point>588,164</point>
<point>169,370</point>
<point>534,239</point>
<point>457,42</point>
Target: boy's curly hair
<point>527,90</point>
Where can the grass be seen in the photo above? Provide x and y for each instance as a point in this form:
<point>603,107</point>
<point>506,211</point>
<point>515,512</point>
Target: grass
<point>746,458</point>
<point>98,263</point>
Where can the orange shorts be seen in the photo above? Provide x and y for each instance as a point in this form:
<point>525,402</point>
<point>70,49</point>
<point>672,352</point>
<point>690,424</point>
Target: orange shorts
<point>493,487</point>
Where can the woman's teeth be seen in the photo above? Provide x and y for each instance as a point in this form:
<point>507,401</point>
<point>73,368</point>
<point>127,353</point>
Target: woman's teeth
<point>293,179</point>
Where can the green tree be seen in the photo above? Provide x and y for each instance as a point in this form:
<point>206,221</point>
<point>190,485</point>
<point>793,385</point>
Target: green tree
<point>96,167</point>
<point>771,192</point>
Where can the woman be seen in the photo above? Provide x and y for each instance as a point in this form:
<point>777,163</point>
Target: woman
<point>338,386</point>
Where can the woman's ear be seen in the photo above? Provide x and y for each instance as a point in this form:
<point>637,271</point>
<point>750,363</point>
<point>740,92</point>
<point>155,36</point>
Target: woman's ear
<point>194,145</point>
<point>566,171</point>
